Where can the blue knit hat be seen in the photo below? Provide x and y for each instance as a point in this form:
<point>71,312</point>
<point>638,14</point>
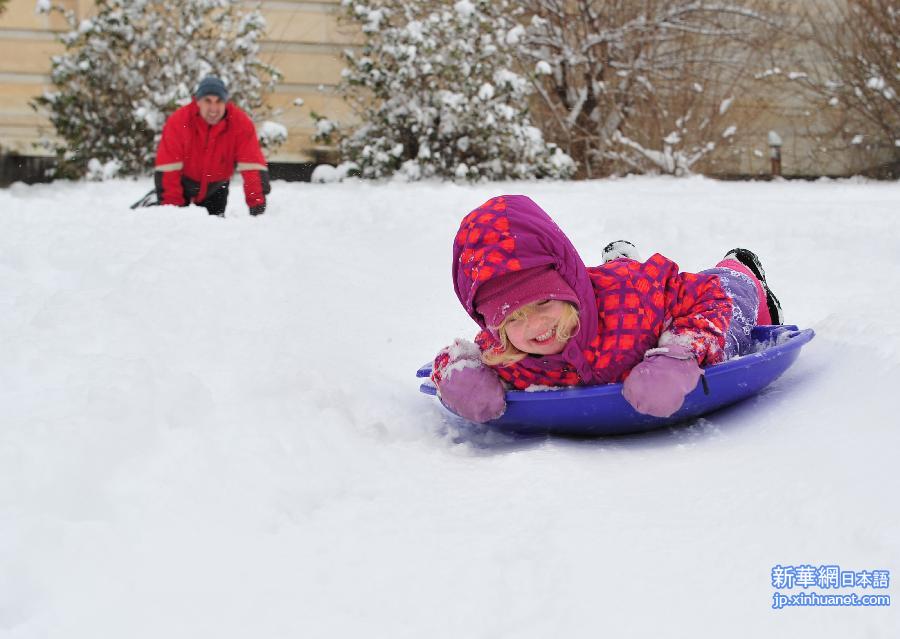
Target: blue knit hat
<point>211,85</point>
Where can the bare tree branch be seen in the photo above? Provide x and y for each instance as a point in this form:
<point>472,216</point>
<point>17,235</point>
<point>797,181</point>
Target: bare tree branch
<point>641,84</point>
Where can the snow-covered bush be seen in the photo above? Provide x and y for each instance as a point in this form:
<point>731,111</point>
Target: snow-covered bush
<point>325,173</point>
<point>437,92</point>
<point>126,68</point>
<point>99,171</point>
<point>271,134</point>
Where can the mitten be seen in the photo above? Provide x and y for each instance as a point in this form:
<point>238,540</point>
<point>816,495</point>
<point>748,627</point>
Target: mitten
<point>658,385</point>
<point>466,386</point>
<point>258,210</point>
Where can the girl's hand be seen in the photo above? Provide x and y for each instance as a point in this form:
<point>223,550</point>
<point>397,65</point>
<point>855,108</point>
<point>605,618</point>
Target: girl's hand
<point>658,385</point>
<point>473,392</point>
<point>465,385</point>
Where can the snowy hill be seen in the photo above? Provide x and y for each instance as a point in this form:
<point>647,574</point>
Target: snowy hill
<point>211,428</point>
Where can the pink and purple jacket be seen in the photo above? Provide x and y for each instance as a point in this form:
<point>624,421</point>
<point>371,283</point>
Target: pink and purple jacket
<point>625,307</point>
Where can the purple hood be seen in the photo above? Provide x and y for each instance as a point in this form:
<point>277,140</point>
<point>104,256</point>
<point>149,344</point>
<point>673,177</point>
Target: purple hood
<point>510,233</point>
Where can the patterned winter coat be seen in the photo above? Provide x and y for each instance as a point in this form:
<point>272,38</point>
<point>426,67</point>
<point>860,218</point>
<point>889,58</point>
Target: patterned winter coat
<point>194,158</point>
<point>625,307</point>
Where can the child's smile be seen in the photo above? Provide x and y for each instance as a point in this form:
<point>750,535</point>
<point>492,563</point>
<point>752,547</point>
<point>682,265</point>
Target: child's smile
<point>535,333</point>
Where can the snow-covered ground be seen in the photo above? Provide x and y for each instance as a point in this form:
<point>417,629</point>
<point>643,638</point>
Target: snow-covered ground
<point>211,428</point>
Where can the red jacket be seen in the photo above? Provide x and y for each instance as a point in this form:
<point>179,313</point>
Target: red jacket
<point>195,155</point>
<point>639,306</point>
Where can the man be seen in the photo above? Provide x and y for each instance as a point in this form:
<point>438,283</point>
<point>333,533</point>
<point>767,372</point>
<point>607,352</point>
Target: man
<point>202,143</point>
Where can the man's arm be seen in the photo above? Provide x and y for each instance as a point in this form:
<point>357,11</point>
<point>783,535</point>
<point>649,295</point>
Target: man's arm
<point>169,166</point>
<point>251,163</point>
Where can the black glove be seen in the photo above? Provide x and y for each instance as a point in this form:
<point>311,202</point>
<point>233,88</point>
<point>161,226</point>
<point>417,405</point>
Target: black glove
<point>258,210</point>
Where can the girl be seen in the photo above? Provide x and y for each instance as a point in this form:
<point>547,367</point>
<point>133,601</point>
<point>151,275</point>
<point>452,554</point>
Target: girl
<point>547,320</point>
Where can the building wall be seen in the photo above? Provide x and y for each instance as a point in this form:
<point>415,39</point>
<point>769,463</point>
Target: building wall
<point>304,41</point>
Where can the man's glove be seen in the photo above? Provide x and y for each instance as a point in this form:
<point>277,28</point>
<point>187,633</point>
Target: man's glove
<point>259,209</point>
<point>658,385</point>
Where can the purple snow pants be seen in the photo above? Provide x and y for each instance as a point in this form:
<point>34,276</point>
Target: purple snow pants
<point>742,290</point>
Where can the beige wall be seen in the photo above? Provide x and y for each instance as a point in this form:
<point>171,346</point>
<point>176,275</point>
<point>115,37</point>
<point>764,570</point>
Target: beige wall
<point>303,40</point>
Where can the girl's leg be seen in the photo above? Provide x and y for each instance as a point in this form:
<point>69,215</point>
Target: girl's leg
<point>764,316</point>
<point>742,289</point>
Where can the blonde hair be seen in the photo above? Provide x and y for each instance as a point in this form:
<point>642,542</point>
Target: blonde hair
<point>506,353</point>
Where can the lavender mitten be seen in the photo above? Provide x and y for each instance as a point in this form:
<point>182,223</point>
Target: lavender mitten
<point>657,386</point>
<point>473,391</point>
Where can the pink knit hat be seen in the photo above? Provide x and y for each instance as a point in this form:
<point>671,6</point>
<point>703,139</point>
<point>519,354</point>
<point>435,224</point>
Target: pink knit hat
<point>500,296</point>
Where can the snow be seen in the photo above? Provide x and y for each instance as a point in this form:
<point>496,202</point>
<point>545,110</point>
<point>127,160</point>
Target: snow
<point>514,35</point>
<point>725,105</point>
<point>875,82</point>
<point>464,8</point>
<point>672,161</point>
<point>672,138</point>
<point>324,126</point>
<point>414,31</point>
<point>324,173</point>
<point>767,73</point>
<point>97,170</point>
<point>210,427</point>
<point>272,133</point>
<point>566,165</point>
<point>464,349</point>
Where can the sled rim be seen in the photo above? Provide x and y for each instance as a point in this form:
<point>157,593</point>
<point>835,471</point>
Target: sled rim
<point>796,340</point>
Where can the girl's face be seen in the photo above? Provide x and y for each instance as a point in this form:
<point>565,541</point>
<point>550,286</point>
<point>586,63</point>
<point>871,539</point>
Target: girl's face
<point>535,332</point>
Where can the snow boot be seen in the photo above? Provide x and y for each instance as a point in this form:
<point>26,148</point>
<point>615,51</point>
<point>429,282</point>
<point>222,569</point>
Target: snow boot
<point>751,261</point>
<point>620,248</point>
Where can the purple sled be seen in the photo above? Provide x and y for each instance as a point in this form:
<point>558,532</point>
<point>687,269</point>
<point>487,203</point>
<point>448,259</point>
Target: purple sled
<point>602,410</point>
